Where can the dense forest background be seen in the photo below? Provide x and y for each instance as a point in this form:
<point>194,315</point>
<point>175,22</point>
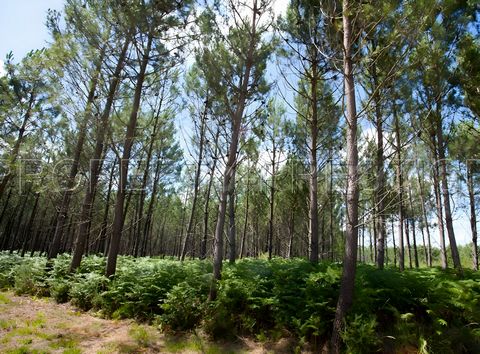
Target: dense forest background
<point>338,131</point>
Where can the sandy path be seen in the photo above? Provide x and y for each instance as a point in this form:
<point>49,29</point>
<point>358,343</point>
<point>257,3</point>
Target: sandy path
<point>33,325</point>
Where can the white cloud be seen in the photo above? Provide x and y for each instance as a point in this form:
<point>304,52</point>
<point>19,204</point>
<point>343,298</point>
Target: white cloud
<point>280,7</point>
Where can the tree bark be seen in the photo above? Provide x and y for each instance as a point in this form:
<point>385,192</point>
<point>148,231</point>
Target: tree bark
<point>118,219</point>
<point>399,175</point>
<point>445,192</point>
<point>70,184</point>
<point>473,216</point>
<point>351,238</point>
<point>95,162</point>
<point>232,228</point>
<point>313,178</point>
<point>16,148</point>
<point>196,184</point>
<point>232,158</point>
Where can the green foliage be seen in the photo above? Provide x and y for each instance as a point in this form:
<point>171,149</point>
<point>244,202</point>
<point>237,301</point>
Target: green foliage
<point>360,336</point>
<point>30,277</point>
<point>430,310</point>
<point>184,307</point>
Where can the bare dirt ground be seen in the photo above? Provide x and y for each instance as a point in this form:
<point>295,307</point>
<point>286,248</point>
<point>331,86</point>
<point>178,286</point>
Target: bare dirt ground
<point>39,325</point>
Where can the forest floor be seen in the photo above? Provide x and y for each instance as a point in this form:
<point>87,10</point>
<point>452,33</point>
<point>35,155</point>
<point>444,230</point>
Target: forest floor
<point>39,325</point>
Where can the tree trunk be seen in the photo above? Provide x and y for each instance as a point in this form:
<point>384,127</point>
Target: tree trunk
<point>409,248</point>
<point>28,229</point>
<point>351,240</point>
<point>446,193</point>
<point>118,219</point>
<point>232,158</point>
<point>428,250</point>
<point>95,162</point>
<point>271,207</point>
<point>70,183</point>
<point>414,237</point>
<point>245,220</point>
<point>196,184</point>
<point>473,216</point>
<point>438,201</point>
<point>313,182</point>
<point>103,232</point>
<point>206,210</point>
<point>18,142</point>
<point>380,181</point>
<point>232,229</point>
<point>399,175</point>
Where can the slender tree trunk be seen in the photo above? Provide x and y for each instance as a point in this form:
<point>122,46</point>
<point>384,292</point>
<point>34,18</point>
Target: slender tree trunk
<point>272,206</point>
<point>428,250</point>
<point>28,230</point>
<point>394,246</point>
<point>380,182</point>
<point>103,232</point>
<point>153,197</point>
<point>16,230</point>
<point>446,193</point>
<point>196,184</point>
<point>16,147</point>
<point>399,175</point>
<point>206,210</point>
<point>409,248</point>
<point>330,241</point>
<point>438,201</point>
<point>70,183</point>
<point>118,219</point>
<point>138,236</point>
<point>230,166</point>
<point>414,237</point>
<point>291,231</point>
<point>245,220</point>
<point>473,216</point>
<point>351,238</point>
<point>313,182</point>
<point>95,162</point>
<point>232,230</point>
<point>38,232</point>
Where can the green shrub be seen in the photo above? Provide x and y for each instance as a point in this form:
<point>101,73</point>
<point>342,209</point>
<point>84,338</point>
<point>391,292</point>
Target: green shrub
<point>86,289</point>
<point>359,335</point>
<point>30,277</point>
<point>184,307</point>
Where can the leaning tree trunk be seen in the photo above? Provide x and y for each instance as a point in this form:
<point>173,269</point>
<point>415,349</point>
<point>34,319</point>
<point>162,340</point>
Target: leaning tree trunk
<point>473,216</point>
<point>118,219</point>
<point>16,148</point>
<point>351,233</point>
<point>87,204</point>
<point>70,185</point>
<point>446,193</point>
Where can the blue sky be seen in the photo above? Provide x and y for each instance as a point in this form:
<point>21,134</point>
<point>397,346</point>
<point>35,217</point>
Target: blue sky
<point>22,25</point>
<point>22,28</point>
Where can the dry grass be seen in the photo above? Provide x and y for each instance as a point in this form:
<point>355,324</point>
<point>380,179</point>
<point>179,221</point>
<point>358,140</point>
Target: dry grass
<point>39,325</point>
